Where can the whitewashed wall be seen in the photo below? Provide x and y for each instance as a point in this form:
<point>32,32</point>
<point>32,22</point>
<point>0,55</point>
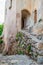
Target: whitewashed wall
<point>10,28</point>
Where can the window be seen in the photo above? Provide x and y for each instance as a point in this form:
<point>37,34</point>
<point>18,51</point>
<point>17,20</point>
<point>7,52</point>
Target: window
<point>10,4</point>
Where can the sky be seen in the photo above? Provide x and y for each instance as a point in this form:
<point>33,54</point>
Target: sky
<point>2,11</point>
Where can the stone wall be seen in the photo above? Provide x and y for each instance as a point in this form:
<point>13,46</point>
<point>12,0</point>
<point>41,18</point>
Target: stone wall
<point>36,46</point>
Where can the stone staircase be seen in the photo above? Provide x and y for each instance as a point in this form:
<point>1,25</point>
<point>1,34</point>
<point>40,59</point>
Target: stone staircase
<point>36,53</point>
<point>36,46</point>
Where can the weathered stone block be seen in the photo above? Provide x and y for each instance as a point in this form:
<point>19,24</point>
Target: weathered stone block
<point>39,46</point>
<point>40,52</point>
<point>40,59</point>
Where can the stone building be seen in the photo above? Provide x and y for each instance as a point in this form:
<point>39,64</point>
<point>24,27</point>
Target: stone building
<point>20,14</point>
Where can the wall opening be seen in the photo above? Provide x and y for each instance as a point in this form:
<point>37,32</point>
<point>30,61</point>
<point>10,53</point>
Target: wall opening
<point>24,14</point>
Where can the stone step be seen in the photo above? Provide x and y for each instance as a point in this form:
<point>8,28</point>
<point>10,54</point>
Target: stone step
<point>31,36</point>
<point>16,60</point>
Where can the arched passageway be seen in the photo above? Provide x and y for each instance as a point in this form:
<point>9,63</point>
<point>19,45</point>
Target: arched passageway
<point>24,14</point>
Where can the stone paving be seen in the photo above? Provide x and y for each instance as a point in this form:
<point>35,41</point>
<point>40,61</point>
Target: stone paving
<point>16,60</point>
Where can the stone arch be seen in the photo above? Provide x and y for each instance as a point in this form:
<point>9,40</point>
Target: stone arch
<point>24,14</point>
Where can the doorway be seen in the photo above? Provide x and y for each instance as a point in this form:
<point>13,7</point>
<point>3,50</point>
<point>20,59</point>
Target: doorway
<point>24,14</point>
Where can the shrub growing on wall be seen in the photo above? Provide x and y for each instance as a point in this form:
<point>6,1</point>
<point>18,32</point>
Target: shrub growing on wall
<point>1,28</point>
<point>23,47</point>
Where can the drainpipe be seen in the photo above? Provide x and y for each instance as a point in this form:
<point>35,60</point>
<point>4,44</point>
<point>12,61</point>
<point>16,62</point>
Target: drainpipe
<point>35,16</point>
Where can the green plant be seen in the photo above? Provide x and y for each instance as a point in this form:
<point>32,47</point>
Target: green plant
<point>19,36</point>
<point>40,20</point>
<point>20,52</point>
<point>29,48</point>
<point>1,29</point>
